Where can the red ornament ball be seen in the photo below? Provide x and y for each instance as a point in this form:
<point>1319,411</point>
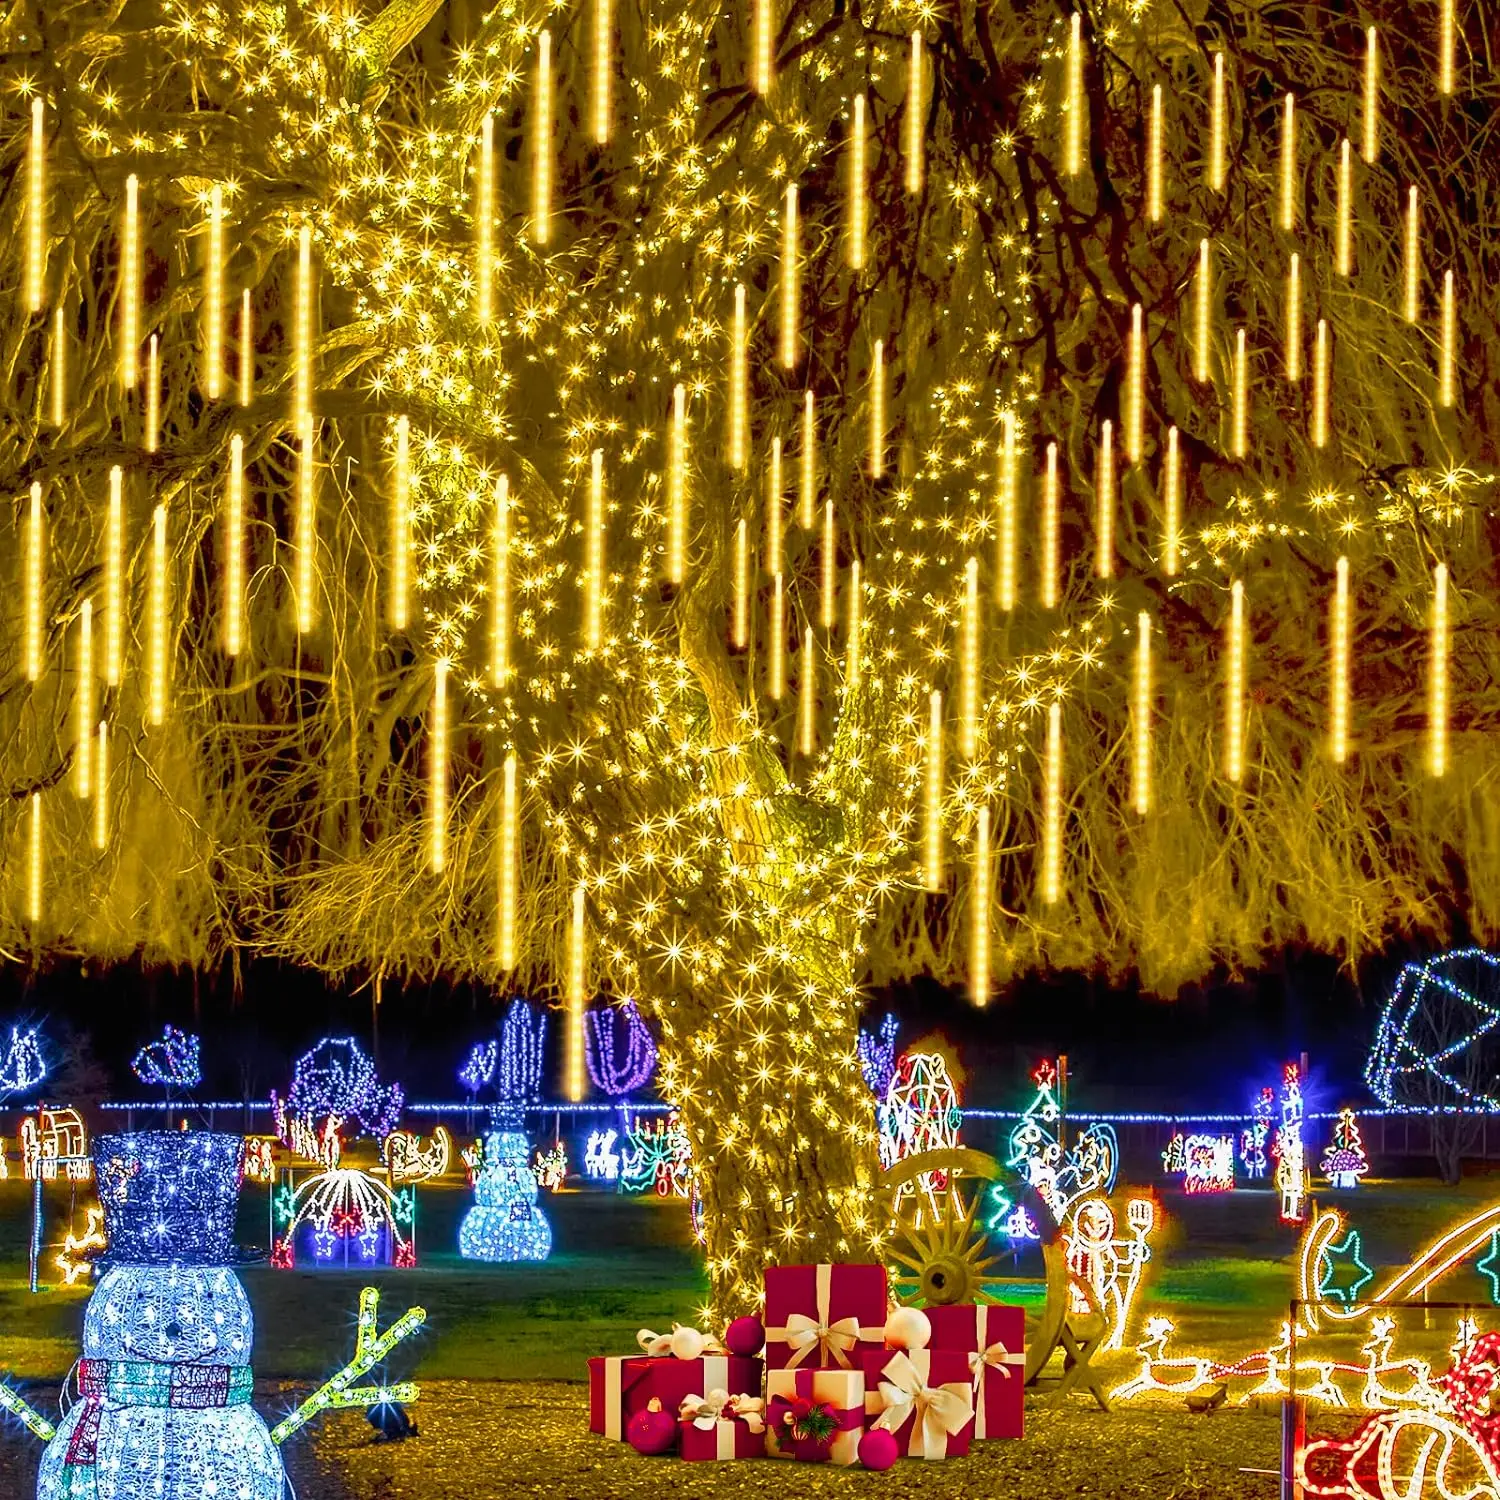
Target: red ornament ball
<point>745,1337</point>
<point>878,1449</point>
<point>652,1431</point>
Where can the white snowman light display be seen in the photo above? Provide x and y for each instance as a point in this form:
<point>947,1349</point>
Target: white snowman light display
<point>165,1383</point>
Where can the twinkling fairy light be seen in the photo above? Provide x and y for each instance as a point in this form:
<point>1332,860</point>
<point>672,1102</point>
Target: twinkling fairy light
<point>968,665</point>
<point>101,787</point>
<point>776,656</point>
<point>1239,442</point>
<point>1051,522</point>
<point>574,1082</point>
<point>306,527</point>
<point>857,230</point>
<point>1343,231</point>
<point>1153,158</point>
<point>854,642</point>
<point>828,559</point>
<point>1448,344</point>
<point>437,771</point>
<point>915,116</point>
<point>1140,718</point>
<point>877,410</point>
<point>36,542</point>
<point>234,549</point>
<point>1218,126</point>
<point>593,595</point>
<point>1052,790</point>
<point>213,297</point>
<point>790,289</point>
<point>1133,425</point>
<point>508,873</point>
<point>541,146</point>
<point>740,638</point>
<point>601,75</point>
<point>1322,372</point>
<point>677,487</point>
<point>1287,212</point>
<point>1447,40</point>
<point>484,222</point>
<point>153,394</point>
<point>302,352</point>
<point>130,285</point>
<point>114,580</point>
<point>157,606</point>
<point>807,694</point>
<point>1203,312</point>
<point>1104,503</point>
<point>1073,99</point>
<point>1437,675</point>
<point>807,490</point>
<point>1007,520</point>
<point>247,350</point>
<point>1369,144</point>
<point>1338,665</point>
<point>400,596</point>
<point>1411,258</point>
<point>1294,318</point>
<point>739,383</point>
<point>36,209</point>
<point>1171,505</point>
<point>762,45</point>
<point>59,368</point>
<point>34,862</point>
<point>500,667</point>
<point>933,772</point>
<point>83,700</point>
<point>979,913</point>
<point>1234,685</point>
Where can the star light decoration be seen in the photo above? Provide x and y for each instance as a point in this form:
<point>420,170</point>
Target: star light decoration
<point>1005,525</point>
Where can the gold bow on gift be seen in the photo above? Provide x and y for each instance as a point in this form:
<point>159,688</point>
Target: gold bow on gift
<point>719,1406</point>
<point>940,1412</point>
<point>803,1334</point>
<point>661,1343</point>
<point>996,1357</point>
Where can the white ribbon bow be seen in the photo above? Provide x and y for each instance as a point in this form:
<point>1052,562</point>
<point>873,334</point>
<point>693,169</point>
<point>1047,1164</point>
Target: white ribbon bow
<point>803,1334</point>
<point>940,1412</point>
<point>720,1406</point>
<point>996,1357</point>
<point>654,1343</point>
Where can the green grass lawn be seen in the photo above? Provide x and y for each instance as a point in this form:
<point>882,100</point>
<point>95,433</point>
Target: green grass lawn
<point>1222,1269</point>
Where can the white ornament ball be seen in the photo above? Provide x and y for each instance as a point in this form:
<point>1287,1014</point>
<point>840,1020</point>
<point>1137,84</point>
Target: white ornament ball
<point>908,1328</point>
<point>687,1343</point>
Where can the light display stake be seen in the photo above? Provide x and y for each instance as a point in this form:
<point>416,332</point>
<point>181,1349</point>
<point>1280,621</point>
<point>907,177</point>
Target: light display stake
<point>437,771</point>
<point>400,596</point>
<point>302,352</point>
<point>932,795</point>
<point>59,371</point>
<point>807,695</point>
<point>601,75</point>
<point>856,234</point>
<point>1338,666</point>
<point>968,665</point>
<point>1239,442</point>
<point>234,549</point>
<point>1104,503</point>
<point>790,273</point>
<point>213,298</point>
<point>1072,108</point>
<point>1217,129</point>
<point>247,350</point>
<point>1203,307</point>
<point>1294,318</point>
<point>36,209</point>
<point>762,45</point>
<point>1369,144</point>
<point>1234,685</point>
<point>36,544</point>
<point>83,700</point>
<point>1437,675</point>
<point>1140,719</point>
<point>979,913</point>
<point>157,664</point>
<point>593,577</point>
<point>1448,344</point>
<point>101,787</point>
<point>739,384</point>
<point>828,561</point>
<point>1287,212</point>
<point>500,667</point>
<point>618,1067</point>
<point>1052,808</point>
<point>1133,426</point>
<point>1322,371</point>
<point>153,394</point>
<point>170,1063</point>
<point>510,817</point>
<point>130,286</point>
<point>740,630</point>
<point>1343,232</point>
<point>484,223</point>
<point>1051,519</point>
<point>1411,258</point>
<point>1171,506</point>
<point>807,488</point>
<point>1153,158</point>
<point>776,662</point>
<point>915,122</point>
<point>305,527</point>
<point>877,410</point>
<point>578,959</point>
<point>1008,519</point>
<point>677,488</point>
<point>541,146</point>
<point>1447,41</point>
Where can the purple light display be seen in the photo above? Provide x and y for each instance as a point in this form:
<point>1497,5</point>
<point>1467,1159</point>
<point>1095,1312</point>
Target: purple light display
<point>619,1064</point>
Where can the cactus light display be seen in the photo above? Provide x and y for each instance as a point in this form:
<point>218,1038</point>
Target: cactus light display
<point>720,511</point>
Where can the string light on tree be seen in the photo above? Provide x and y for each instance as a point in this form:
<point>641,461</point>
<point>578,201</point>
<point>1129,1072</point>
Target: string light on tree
<point>400,597</point>
<point>1369,146</point>
<point>762,45</point>
<point>593,596</point>
<point>776,660</point>
<point>853,646</point>
<point>1073,100</point>
<point>1343,240</point>
<point>1239,443</point>
<point>790,273</point>
<point>114,580</point>
<point>807,494</point>
<point>1104,503</point>
<point>979,915</point>
<point>1171,484</point>
<point>877,410</point>
<point>1437,676</point>
<point>101,787</point>
<point>1052,810</point>
<point>740,637</point>
<point>247,350</point>
<point>1234,685</point>
<point>968,665</point>
<point>36,209</point>
<point>234,549</point>
<point>1287,213</point>
<point>59,368</point>
<point>1007,506</point>
<point>437,771</point>
<point>1339,635</point>
<point>34,863</point>
<point>1135,387</point>
<point>213,297</point>
<point>1294,318</point>
<point>1153,158</point>
<point>302,352</point>
<point>828,560</point>
<point>158,605</point>
<point>739,384</point>
<point>578,961</point>
<point>484,223</point>
<point>933,772</point>
<point>306,528</point>
<point>153,394</point>
<point>36,542</point>
<point>915,123</point>
<point>1411,258</point>
<point>857,231</point>
<point>510,842</point>
<point>1203,308</point>
<point>601,77</point>
<point>677,488</point>
<point>1447,47</point>
<point>500,666</point>
<point>130,285</point>
<point>541,146</point>
<point>1217,128</point>
<point>83,700</point>
<point>1322,375</point>
<point>807,695</point>
<point>1140,719</point>
<point>1448,345</point>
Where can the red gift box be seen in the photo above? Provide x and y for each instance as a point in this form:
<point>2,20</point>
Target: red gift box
<point>720,1426</point>
<point>817,1317</point>
<point>924,1397</point>
<point>794,1396</point>
<point>994,1339</point>
<point>620,1386</point>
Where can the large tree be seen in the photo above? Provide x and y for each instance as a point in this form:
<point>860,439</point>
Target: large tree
<point>716,675</point>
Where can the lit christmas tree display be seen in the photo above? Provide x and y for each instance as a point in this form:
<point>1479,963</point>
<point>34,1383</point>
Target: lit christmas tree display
<point>1344,1162</point>
<point>21,1066</point>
